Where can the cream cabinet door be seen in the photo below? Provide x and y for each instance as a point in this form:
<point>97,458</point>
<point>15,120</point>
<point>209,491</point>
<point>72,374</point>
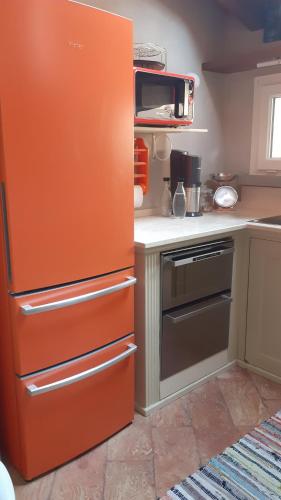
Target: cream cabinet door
<point>263,340</point>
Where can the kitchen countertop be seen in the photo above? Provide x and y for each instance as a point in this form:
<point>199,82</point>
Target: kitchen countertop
<point>154,231</point>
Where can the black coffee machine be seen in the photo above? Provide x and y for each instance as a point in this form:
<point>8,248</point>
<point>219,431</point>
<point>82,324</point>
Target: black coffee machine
<point>187,168</point>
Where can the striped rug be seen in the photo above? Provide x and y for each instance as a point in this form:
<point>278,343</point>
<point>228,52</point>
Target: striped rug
<point>249,469</point>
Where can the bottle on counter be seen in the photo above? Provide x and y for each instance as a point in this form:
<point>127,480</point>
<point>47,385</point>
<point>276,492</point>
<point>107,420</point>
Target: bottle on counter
<point>179,201</point>
<point>166,198</point>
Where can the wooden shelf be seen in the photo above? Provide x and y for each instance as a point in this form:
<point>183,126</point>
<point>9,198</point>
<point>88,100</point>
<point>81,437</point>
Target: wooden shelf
<point>167,130</point>
<point>244,62</point>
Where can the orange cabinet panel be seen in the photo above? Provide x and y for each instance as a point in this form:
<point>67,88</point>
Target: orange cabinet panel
<point>66,88</point>
<point>51,337</point>
<point>58,425</point>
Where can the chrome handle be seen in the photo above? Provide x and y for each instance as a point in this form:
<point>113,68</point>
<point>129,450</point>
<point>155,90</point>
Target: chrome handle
<point>198,258</point>
<point>34,390</point>
<point>51,306</point>
<point>191,314</point>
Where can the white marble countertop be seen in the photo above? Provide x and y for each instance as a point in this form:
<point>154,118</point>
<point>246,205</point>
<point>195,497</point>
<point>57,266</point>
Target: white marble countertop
<point>155,231</point>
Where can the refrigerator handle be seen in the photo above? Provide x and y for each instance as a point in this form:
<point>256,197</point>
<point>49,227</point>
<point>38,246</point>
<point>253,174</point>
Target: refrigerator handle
<point>51,306</point>
<point>34,390</point>
<point>6,231</point>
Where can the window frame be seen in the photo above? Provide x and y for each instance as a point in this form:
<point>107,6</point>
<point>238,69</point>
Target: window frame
<point>265,89</point>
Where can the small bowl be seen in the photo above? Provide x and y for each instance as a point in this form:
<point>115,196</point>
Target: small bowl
<point>223,176</point>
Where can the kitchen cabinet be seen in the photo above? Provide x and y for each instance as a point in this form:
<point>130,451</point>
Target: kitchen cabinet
<point>263,340</point>
<point>151,391</point>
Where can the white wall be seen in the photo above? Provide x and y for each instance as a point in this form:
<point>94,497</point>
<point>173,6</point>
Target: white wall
<point>191,32</point>
<point>239,95</point>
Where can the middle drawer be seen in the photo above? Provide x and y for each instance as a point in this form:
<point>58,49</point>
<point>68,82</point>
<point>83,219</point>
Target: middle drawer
<point>46,337</point>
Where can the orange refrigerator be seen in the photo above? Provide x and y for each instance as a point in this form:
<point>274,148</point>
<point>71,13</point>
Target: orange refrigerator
<point>67,256</point>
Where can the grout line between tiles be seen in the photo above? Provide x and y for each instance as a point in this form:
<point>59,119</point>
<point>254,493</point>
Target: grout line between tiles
<point>153,458</point>
<point>247,372</point>
<point>52,486</point>
<point>225,403</point>
<point>131,461</point>
<point>104,470</point>
<point>189,414</point>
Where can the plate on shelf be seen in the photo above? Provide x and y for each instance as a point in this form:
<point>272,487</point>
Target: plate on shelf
<point>226,197</point>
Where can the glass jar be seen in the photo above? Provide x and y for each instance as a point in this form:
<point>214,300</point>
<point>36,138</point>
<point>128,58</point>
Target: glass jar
<point>166,198</point>
<point>206,200</point>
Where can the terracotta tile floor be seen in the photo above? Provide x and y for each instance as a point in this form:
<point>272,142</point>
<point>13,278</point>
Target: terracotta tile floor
<point>145,459</point>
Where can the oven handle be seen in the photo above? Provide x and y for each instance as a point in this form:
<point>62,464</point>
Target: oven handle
<point>34,390</point>
<point>28,309</point>
<point>178,319</point>
<point>198,258</point>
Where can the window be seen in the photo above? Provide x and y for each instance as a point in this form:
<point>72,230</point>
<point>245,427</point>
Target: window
<point>266,130</point>
<point>275,140</point>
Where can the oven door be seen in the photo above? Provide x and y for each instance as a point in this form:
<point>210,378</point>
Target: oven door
<point>196,272</point>
<point>193,333</point>
<point>164,99</point>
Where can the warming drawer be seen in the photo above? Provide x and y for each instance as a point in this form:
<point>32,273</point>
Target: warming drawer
<point>197,271</point>
<point>68,409</point>
<point>53,326</point>
<point>193,333</point>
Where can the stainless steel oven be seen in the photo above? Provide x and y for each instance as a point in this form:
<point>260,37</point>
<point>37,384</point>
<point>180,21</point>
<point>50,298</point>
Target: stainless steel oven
<point>196,299</point>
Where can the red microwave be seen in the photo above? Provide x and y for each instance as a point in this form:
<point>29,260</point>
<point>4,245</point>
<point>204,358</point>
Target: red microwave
<point>163,99</point>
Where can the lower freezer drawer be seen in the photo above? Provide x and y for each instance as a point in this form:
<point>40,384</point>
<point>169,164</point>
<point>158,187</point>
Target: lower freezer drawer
<point>194,333</point>
<point>68,409</point>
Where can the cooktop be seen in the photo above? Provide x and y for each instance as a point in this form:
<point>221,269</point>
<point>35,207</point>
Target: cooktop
<point>275,220</point>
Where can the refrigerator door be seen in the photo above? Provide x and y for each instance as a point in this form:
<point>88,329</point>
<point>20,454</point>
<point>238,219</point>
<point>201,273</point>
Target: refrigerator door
<point>76,410</point>
<point>56,325</point>
<point>66,129</point>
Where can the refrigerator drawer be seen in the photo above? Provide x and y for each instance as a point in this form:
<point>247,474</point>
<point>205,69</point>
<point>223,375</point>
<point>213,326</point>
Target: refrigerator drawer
<point>56,325</point>
<point>76,410</point>
<point>194,333</point>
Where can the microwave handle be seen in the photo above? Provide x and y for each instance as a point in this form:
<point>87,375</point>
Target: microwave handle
<point>182,99</point>
<point>180,96</point>
<point>186,98</point>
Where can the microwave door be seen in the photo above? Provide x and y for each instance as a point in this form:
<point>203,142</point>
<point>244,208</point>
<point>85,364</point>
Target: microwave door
<point>155,97</point>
